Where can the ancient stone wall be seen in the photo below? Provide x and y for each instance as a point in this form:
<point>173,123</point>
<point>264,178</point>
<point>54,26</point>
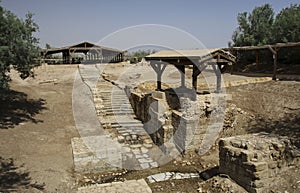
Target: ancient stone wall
<point>183,121</point>
<point>255,161</point>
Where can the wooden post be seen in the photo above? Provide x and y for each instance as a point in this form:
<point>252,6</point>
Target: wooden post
<point>181,69</point>
<point>69,57</point>
<point>275,66</point>
<point>159,69</point>
<point>274,51</point>
<point>196,72</point>
<point>158,73</point>
<point>183,76</point>
<point>218,74</point>
<point>195,82</point>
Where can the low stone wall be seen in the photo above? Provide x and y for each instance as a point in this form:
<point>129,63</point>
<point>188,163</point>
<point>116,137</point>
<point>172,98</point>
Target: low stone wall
<point>255,161</point>
<point>183,121</point>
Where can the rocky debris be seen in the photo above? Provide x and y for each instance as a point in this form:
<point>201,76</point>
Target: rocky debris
<point>86,179</point>
<point>220,184</point>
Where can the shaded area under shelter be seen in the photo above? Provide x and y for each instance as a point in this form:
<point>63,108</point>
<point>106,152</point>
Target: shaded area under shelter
<point>92,53</point>
<point>199,60</point>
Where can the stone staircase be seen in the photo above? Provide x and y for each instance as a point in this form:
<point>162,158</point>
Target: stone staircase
<point>117,117</point>
<point>121,131</point>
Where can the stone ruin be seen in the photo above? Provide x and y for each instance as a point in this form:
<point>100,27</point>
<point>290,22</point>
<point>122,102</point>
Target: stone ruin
<point>253,161</point>
<point>183,120</point>
<point>256,161</point>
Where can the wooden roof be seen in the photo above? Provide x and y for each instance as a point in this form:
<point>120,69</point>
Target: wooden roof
<point>186,57</point>
<point>181,53</point>
<point>274,46</point>
<point>80,47</point>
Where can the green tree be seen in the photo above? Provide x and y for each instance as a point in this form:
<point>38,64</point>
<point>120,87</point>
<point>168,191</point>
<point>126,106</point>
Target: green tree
<point>48,46</point>
<point>287,25</point>
<point>255,28</point>
<point>18,47</point>
<point>138,55</point>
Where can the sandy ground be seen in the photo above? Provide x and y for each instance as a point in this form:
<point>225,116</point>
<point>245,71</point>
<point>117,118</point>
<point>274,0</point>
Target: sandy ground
<point>37,125</point>
<point>40,130</point>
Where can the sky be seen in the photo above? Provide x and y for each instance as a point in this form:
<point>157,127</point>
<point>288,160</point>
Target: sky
<point>63,22</point>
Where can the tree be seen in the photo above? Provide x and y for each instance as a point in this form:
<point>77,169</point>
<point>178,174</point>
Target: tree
<point>138,55</point>
<point>48,46</point>
<point>287,25</point>
<point>254,28</point>
<point>18,47</point>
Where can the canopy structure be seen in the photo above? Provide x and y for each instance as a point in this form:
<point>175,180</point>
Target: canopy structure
<point>92,52</point>
<point>273,48</point>
<point>198,59</point>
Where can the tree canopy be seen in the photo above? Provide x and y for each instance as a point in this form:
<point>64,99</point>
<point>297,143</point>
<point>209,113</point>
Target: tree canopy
<point>287,25</point>
<point>261,26</point>
<point>18,46</point>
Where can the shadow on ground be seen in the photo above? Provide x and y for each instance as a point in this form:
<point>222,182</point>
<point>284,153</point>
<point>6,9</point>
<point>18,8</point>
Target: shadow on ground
<point>288,126</point>
<point>16,107</point>
<point>12,178</point>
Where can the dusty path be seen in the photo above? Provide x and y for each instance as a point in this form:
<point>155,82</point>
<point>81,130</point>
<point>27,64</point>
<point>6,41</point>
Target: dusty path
<point>43,147</point>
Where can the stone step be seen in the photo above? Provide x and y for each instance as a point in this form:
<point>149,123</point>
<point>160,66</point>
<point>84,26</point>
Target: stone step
<point>109,103</point>
<point>127,121</point>
<point>115,109</point>
<point>132,125</point>
<point>116,113</point>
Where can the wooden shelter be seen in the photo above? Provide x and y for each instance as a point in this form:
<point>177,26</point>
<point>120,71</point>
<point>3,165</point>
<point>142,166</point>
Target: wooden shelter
<point>92,53</point>
<point>198,59</point>
<point>273,48</point>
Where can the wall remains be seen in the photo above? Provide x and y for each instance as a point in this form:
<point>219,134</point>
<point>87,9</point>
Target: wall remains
<point>255,161</point>
<point>182,120</point>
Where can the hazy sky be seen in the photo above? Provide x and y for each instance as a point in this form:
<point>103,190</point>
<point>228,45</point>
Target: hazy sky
<point>65,22</point>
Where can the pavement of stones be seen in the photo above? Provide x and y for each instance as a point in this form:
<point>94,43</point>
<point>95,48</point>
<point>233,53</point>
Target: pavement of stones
<point>130,186</point>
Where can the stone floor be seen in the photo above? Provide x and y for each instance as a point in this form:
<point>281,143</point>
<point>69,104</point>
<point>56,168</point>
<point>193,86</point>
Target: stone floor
<point>171,176</point>
<point>130,186</point>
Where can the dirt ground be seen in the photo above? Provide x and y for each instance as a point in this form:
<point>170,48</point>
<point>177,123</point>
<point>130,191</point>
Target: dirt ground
<point>37,125</point>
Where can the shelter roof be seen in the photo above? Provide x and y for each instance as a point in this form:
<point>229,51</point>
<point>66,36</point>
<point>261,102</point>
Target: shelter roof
<point>185,56</point>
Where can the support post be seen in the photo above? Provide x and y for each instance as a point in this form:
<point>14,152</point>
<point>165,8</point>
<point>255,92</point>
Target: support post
<point>275,66</point>
<point>196,72</point>
<point>219,78</point>
<point>159,78</point>
<point>159,68</point>
<point>69,57</point>
<point>183,76</point>
<point>274,51</point>
<point>181,69</point>
<point>195,82</point>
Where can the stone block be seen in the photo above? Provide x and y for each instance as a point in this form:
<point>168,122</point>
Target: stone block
<point>255,166</point>
<point>159,95</point>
